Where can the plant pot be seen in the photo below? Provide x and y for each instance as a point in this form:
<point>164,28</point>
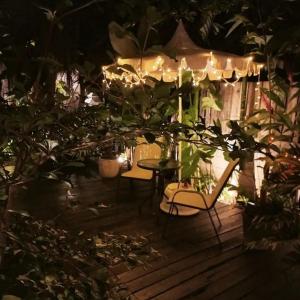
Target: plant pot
<point>108,168</point>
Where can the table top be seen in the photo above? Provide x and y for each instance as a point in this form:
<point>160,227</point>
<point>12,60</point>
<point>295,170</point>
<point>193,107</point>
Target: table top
<point>158,164</point>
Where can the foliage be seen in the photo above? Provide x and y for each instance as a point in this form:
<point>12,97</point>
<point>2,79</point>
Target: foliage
<point>46,262</point>
<point>293,257</point>
<point>262,22</point>
<point>38,136</point>
<point>150,106</point>
<point>274,215</point>
<point>33,138</point>
<point>277,125</point>
<point>276,218</point>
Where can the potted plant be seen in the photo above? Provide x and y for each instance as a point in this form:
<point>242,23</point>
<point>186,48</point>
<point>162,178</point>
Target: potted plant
<point>109,162</point>
<point>273,217</point>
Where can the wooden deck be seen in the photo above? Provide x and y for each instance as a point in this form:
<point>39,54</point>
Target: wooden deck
<point>191,265</point>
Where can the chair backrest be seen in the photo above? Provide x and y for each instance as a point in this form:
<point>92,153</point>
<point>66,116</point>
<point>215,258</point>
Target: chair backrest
<point>213,197</point>
<point>145,150</point>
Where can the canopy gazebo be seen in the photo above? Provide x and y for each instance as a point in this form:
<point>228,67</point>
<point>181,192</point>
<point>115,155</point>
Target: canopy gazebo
<point>202,63</point>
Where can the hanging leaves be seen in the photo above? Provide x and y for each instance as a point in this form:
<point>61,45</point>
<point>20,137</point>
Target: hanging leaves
<point>211,102</point>
<point>274,97</point>
<point>236,21</point>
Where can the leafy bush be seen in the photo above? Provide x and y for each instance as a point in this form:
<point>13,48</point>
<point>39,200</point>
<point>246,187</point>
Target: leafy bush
<point>271,222</point>
<point>42,261</point>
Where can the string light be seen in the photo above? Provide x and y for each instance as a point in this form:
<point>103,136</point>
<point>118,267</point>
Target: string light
<point>157,70</point>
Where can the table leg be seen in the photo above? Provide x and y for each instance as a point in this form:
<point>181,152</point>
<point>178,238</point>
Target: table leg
<point>161,184</point>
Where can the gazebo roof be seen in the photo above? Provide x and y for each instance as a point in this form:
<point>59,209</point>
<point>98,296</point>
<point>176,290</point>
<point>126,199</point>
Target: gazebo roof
<point>201,62</point>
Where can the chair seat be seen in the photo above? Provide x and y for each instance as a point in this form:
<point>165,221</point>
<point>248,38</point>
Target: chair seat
<point>187,198</point>
<point>171,188</point>
<point>138,173</point>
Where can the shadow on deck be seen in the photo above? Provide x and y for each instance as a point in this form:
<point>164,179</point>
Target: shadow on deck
<point>191,265</point>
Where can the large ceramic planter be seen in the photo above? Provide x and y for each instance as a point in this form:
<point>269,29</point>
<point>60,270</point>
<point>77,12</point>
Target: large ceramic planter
<point>108,168</point>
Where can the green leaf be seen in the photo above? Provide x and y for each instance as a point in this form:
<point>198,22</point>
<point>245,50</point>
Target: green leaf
<point>76,164</point>
<point>254,38</point>
<point>210,102</point>
<point>275,148</point>
<point>274,97</point>
<point>285,120</point>
<point>170,111</point>
<point>155,120</point>
<point>187,76</point>
<point>150,137</point>
<point>295,109</point>
<point>19,212</point>
<point>162,90</point>
<point>190,162</point>
<point>10,297</point>
<point>295,95</point>
<point>94,211</point>
<point>237,20</point>
<point>128,68</point>
<point>153,16</point>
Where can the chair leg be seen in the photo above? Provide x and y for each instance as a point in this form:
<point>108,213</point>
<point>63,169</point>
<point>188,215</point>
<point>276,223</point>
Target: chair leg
<point>214,226</point>
<point>118,189</point>
<point>131,185</point>
<point>168,217</point>
<point>150,200</point>
<point>216,212</point>
<point>153,192</point>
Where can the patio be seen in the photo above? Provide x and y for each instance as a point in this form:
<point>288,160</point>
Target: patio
<point>191,265</point>
<point>149,149</point>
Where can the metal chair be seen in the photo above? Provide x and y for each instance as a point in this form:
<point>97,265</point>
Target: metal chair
<point>143,150</point>
<point>190,197</point>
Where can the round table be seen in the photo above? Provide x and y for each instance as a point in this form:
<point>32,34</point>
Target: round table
<point>160,168</point>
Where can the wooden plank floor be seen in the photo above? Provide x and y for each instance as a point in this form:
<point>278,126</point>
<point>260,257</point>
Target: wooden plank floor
<point>191,264</point>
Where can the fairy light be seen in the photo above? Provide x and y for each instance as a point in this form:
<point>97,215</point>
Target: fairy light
<point>228,64</point>
<point>157,69</point>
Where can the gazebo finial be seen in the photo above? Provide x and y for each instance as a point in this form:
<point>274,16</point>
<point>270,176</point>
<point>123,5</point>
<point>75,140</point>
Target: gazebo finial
<point>181,40</point>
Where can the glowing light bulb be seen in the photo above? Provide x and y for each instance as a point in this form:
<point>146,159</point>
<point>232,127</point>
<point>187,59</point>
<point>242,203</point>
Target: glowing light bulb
<point>121,159</point>
<point>271,139</point>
